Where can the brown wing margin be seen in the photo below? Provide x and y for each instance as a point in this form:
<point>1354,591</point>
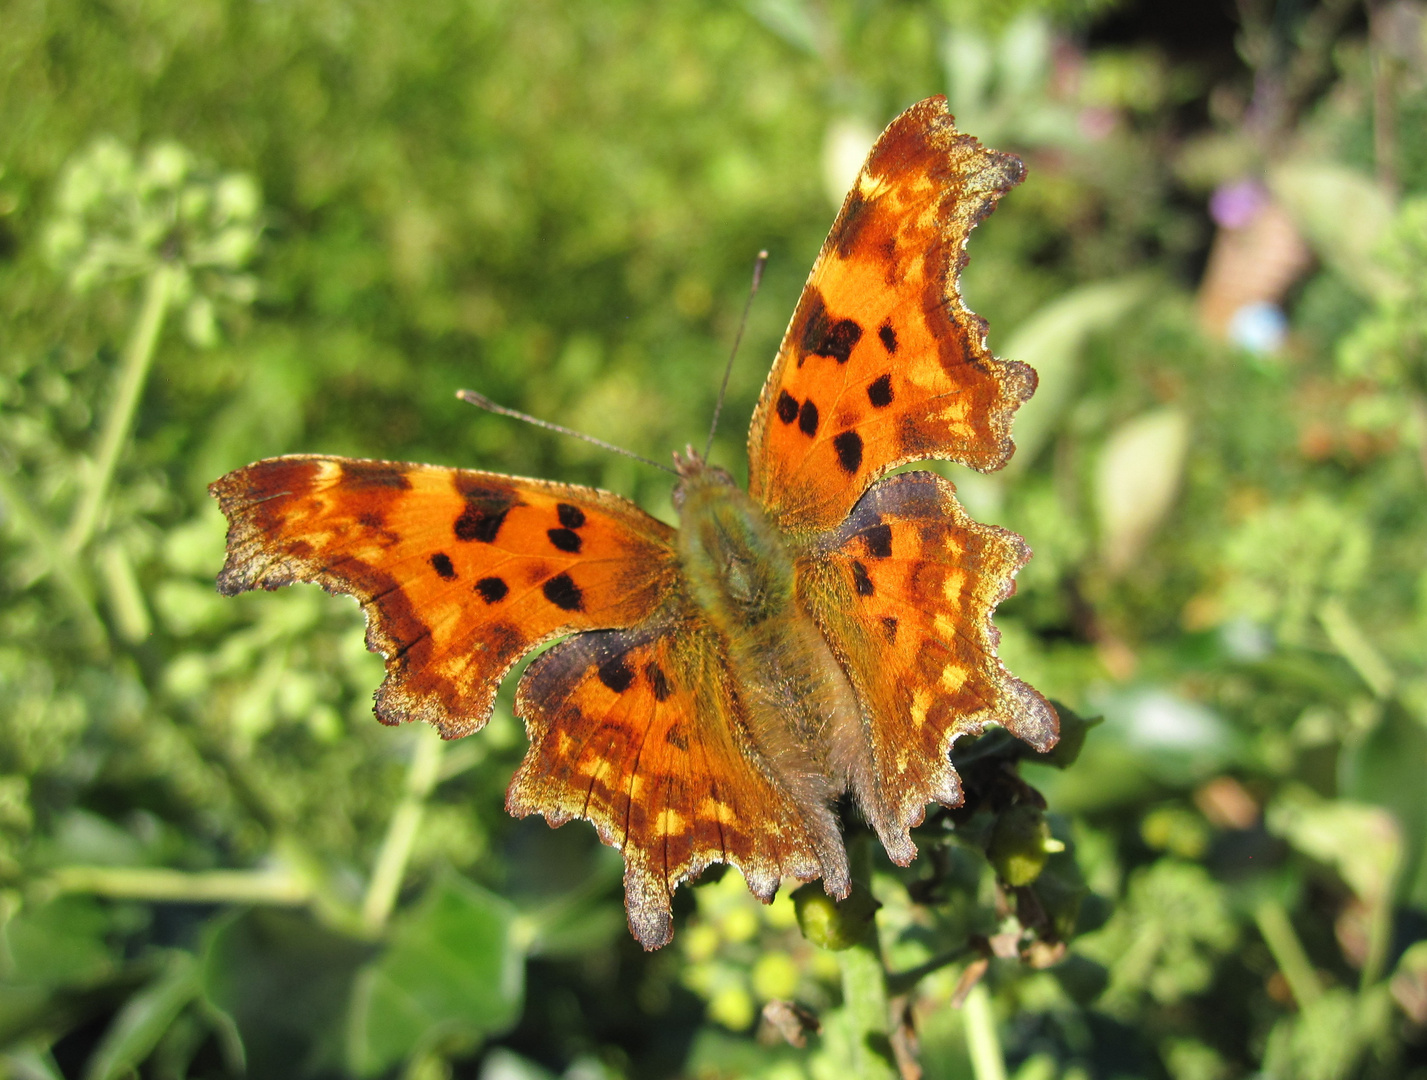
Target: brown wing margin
<point>640,733</point>
<point>882,362</point>
<point>460,573</point>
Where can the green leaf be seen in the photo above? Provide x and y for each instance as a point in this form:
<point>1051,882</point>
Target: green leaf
<point>58,944</point>
<point>1385,768</point>
<point>1137,481</point>
<point>29,1063</point>
<point>1053,339</point>
<point>1362,843</point>
<point>453,972</point>
<point>144,1019</point>
<point>1325,1040</point>
<point>1315,193</point>
<point>1073,729</point>
<point>284,980</point>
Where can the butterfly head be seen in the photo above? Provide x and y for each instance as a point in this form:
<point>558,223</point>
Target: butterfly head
<point>696,473</point>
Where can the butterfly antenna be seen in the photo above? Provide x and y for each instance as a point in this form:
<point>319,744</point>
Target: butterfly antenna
<point>758,266</point>
<point>486,403</point>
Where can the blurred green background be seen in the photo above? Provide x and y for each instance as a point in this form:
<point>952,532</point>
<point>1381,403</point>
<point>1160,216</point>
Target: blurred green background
<point>235,229</point>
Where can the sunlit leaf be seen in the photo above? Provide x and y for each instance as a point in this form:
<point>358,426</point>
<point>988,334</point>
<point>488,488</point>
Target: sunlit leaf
<point>451,972</point>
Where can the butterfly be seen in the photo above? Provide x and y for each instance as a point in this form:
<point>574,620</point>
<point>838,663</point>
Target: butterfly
<point>720,686</point>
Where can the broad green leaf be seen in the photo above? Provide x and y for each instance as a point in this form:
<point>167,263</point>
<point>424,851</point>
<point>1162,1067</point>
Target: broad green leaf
<point>1052,340</point>
<point>453,972</point>
<point>1385,768</point>
<point>29,1063</point>
<point>284,980</point>
<point>1344,213</point>
<point>61,943</point>
<point>1361,842</point>
<point>1137,480</point>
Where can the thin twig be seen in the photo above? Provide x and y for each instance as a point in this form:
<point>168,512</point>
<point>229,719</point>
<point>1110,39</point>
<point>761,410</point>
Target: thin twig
<point>1288,952</point>
<point>901,982</point>
<point>390,869</point>
<point>277,887</point>
<point>133,373</point>
<point>987,1060</point>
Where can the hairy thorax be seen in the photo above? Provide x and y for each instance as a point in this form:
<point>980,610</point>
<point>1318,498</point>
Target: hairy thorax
<point>800,709</point>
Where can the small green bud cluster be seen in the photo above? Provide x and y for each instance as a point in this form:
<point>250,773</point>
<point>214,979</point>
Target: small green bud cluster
<point>118,215</point>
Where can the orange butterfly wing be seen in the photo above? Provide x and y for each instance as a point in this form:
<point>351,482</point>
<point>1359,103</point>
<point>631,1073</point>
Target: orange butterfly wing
<point>640,732</point>
<point>460,573</point>
<point>637,725</point>
<point>882,363</point>
<point>904,591</point>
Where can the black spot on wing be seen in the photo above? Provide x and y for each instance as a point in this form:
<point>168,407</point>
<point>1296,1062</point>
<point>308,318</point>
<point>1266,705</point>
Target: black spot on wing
<point>787,407</point>
<point>878,539</point>
<point>486,507</point>
<point>565,539</point>
<point>879,391</point>
<point>571,517</point>
<point>860,579</point>
<point>616,674</point>
<point>889,627</point>
<point>492,589</point>
<point>808,418</point>
<point>849,451</point>
<point>838,343</point>
<point>888,337</point>
<point>658,682</point>
<point>441,563</point>
<point>675,738</point>
<point>476,523</point>
<point>564,593</point>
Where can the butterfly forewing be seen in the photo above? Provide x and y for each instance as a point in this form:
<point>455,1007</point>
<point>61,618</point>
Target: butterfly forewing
<point>641,733</point>
<point>882,363</point>
<point>904,591</point>
<point>460,572</point>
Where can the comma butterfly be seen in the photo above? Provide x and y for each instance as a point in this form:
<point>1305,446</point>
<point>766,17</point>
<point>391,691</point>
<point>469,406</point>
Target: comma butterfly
<point>827,631</point>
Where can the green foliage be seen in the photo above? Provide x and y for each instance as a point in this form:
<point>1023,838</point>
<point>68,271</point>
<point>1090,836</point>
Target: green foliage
<point>229,231</point>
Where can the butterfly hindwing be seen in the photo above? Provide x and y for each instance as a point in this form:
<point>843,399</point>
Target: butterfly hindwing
<point>460,572</point>
<point>882,363</point>
<point>641,733</point>
<point>904,592</point>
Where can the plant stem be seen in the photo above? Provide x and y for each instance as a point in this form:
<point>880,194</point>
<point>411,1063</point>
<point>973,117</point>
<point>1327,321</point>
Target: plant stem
<point>390,867</point>
<point>987,1061</point>
<point>1288,952</point>
<point>277,887</point>
<point>133,373</point>
<point>73,582</point>
<point>1352,643</point>
<point>864,996</point>
<point>866,1011</point>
